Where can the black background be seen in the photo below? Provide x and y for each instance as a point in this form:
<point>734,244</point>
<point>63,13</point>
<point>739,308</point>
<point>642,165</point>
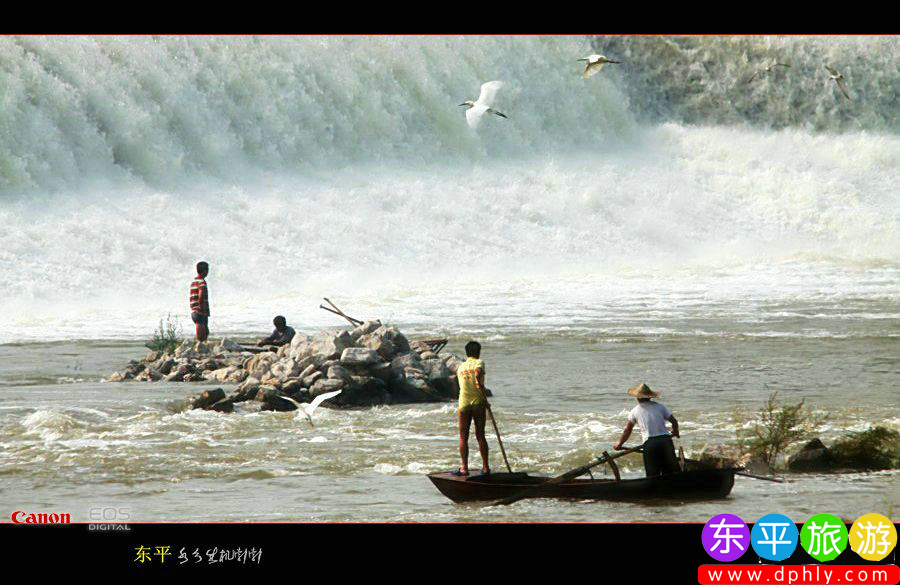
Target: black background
<point>403,550</point>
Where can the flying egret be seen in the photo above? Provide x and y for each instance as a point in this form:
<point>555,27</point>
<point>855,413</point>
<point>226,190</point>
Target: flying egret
<point>594,64</point>
<point>308,409</point>
<point>838,79</point>
<point>482,106</point>
<point>767,69</point>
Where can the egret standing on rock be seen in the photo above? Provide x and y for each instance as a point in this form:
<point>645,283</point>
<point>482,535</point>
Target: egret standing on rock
<point>838,79</point>
<point>308,409</point>
<point>594,64</point>
<point>482,106</point>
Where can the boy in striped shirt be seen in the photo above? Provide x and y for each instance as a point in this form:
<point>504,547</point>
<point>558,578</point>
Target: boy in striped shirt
<point>200,302</point>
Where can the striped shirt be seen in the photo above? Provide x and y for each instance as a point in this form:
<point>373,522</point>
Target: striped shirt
<point>199,296</point>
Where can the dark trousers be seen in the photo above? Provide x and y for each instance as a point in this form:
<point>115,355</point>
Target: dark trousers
<point>659,456</point>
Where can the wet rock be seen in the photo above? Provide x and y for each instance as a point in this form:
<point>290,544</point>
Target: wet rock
<point>428,355</point>
<point>337,372</point>
<point>814,456</point>
<point>208,398</point>
<point>224,405</point>
<point>117,377</point>
<point>362,391</point>
<point>411,389</point>
<point>383,371</point>
<point>325,385</point>
<point>359,356</point>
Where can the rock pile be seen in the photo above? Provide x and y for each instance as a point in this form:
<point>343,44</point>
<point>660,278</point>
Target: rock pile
<point>372,364</point>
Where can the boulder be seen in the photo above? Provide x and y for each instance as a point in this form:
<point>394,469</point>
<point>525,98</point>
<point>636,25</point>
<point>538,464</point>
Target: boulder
<point>814,456</point>
<point>452,362</point>
<point>165,364</point>
<point>332,346</point>
<point>208,398</point>
<point>291,386</point>
<point>312,379</point>
<point>287,368</point>
<point>428,355</point>
<point>325,385</point>
<point>383,371</point>
<point>365,329</point>
<point>224,405</point>
<point>230,345</point>
<point>362,391</point>
<point>409,360</point>
<point>411,389</point>
<point>397,339</point>
<point>358,356</point>
<point>337,372</point>
<point>720,456</point>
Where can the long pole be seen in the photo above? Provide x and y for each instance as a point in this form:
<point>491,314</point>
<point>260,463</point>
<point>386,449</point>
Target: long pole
<point>493,422</point>
<point>564,477</point>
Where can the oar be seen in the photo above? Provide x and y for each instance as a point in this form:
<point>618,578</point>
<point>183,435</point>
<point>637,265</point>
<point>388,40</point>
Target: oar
<point>750,475</point>
<point>487,405</point>
<point>564,477</point>
<point>354,322</point>
<point>775,479</point>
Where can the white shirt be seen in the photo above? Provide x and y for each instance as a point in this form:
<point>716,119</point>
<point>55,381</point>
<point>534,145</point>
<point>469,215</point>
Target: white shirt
<point>651,418</point>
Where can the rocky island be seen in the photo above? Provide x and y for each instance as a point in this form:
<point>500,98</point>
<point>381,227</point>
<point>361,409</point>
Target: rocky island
<point>371,364</point>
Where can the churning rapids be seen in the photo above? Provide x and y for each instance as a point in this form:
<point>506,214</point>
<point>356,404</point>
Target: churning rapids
<point>714,238</point>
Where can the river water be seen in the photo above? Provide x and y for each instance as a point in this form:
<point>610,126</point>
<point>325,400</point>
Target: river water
<point>717,239</point>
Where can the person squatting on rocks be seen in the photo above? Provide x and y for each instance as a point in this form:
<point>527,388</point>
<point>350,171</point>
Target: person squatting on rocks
<point>651,417</point>
<point>282,334</point>
<point>200,301</point>
<point>472,405</point>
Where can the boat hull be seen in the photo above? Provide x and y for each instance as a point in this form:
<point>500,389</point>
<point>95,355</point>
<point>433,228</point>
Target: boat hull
<point>689,485</point>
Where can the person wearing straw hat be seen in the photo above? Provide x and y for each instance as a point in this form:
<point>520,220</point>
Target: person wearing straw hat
<point>651,417</point>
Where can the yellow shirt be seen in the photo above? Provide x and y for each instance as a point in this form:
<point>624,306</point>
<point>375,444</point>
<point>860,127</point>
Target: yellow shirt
<point>469,395</point>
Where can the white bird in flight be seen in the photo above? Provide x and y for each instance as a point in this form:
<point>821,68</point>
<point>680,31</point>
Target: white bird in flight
<point>838,79</point>
<point>767,69</point>
<point>482,105</point>
<point>594,64</point>
<point>308,409</point>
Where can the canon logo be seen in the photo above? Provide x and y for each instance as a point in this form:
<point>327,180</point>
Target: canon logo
<point>19,517</point>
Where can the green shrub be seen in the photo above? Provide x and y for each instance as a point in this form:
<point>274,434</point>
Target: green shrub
<point>877,448</point>
<point>777,426</point>
<point>166,339</point>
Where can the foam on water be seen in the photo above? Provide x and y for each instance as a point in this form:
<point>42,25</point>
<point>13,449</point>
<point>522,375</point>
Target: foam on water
<point>302,168</point>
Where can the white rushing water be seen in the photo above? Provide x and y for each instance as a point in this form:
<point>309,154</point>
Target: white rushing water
<point>310,167</point>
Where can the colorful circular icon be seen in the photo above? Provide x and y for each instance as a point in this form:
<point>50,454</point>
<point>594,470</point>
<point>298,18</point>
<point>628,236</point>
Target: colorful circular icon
<point>725,537</point>
<point>824,537</point>
<point>774,537</point>
<point>873,537</point>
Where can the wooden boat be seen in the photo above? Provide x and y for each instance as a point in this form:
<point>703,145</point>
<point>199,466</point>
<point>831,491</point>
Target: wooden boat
<point>700,484</point>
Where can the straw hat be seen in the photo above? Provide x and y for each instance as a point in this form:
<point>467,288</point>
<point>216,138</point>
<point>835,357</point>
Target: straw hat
<point>642,391</point>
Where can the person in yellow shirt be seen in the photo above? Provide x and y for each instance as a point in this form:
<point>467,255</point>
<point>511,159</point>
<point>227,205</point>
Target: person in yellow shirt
<point>472,403</point>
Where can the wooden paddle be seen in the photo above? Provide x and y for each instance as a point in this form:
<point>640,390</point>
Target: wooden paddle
<point>487,405</point>
<point>565,476</point>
